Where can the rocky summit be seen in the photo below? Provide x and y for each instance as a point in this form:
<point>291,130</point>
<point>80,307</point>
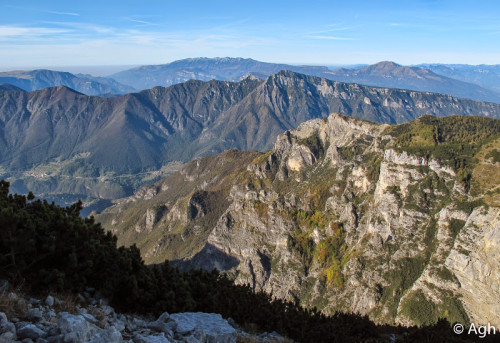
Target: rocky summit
<point>399,222</point>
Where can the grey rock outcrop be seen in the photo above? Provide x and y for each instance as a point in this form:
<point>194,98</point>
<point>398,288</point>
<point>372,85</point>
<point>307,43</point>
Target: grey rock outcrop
<point>99,323</point>
<point>474,260</point>
<point>78,329</point>
<point>211,327</point>
<point>155,338</point>
<point>49,301</point>
<point>7,329</point>
<point>27,330</point>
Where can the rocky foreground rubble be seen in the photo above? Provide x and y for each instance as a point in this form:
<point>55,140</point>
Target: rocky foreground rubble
<point>40,321</point>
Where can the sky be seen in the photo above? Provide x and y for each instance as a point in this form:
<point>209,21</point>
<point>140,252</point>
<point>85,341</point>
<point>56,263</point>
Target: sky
<point>107,32</point>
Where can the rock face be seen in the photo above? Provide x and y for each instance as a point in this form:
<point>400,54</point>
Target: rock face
<point>342,214</point>
<point>99,323</point>
<point>82,328</point>
<point>478,272</point>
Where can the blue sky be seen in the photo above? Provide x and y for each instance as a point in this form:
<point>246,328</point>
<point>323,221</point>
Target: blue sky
<point>65,33</point>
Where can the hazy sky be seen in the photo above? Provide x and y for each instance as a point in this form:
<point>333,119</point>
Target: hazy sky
<point>62,33</point>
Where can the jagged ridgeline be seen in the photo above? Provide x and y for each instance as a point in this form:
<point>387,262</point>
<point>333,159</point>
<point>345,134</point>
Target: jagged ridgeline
<point>65,145</point>
<point>399,222</point>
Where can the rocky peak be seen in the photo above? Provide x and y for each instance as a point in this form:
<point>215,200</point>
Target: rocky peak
<point>303,145</point>
<point>344,214</point>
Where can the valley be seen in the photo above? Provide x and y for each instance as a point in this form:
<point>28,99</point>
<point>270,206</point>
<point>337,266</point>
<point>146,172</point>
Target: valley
<point>83,83</point>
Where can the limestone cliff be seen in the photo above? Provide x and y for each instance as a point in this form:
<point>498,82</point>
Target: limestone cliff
<point>398,222</point>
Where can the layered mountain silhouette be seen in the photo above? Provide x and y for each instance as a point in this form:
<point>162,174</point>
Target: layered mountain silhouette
<point>41,78</point>
<point>473,82</point>
<point>487,76</point>
<point>55,132</point>
<point>383,74</point>
<point>142,130</point>
<point>390,74</point>
<point>9,87</point>
<point>205,69</point>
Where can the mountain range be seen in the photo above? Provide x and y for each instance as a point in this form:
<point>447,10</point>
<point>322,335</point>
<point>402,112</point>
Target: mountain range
<point>398,222</point>
<point>473,82</point>
<point>487,76</point>
<point>57,140</point>
<point>390,74</point>
<point>86,84</point>
<point>383,74</point>
<point>205,69</point>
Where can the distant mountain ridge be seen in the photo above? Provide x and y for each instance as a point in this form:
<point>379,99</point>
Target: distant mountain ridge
<point>42,78</point>
<point>57,140</point>
<point>205,69</point>
<point>9,87</point>
<point>184,118</point>
<point>390,74</point>
<point>487,76</point>
<point>383,74</point>
<point>474,82</point>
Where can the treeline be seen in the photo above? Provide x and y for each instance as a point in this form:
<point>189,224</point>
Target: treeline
<point>49,248</point>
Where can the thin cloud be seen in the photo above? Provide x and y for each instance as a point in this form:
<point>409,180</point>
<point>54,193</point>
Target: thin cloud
<point>336,29</point>
<point>83,28</point>
<point>329,37</point>
<point>18,32</point>
<point>63,13</point>
<point>335,24</point>
<point>139,21</point>
<point>44,11</point>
